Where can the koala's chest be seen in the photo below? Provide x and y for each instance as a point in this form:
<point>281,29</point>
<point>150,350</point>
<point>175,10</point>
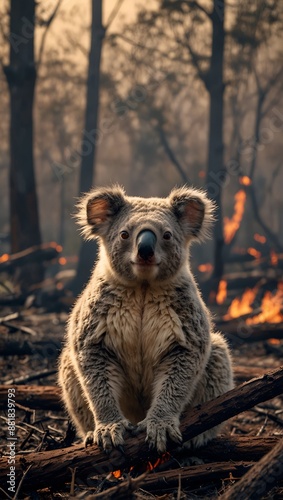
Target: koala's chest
<point>141,327</point>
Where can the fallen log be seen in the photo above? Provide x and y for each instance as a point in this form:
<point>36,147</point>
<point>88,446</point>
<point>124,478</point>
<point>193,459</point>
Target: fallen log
<point>261,477</point>
<point>193,476</point>
<point>47,397</point>
<point>52,467</point>
<point>121,491</point>
<point>237,330</point>
<point>33,396</point>
<point>31,376</point>
<point>37,253</point>
<point>248,448</point>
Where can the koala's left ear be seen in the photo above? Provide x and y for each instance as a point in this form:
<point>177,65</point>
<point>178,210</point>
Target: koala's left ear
<point>193,209</point>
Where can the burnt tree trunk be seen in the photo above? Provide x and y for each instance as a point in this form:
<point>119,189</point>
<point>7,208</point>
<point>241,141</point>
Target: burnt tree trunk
<point>21,78</point>
<point>215,168</point>
<point>90,138</point>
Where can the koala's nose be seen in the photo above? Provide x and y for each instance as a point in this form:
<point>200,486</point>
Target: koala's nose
<point>146,241</point>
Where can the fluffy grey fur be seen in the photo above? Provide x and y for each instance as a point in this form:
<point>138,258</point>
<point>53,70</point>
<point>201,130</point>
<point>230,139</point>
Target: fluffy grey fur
<point>140,345</point>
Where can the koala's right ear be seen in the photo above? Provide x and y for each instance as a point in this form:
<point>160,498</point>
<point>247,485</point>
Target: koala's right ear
<point>97,208</point>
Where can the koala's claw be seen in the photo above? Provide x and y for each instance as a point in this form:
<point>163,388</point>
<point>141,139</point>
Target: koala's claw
<point>108,436</point>
<point>157,431</point>
<point>88,441</point>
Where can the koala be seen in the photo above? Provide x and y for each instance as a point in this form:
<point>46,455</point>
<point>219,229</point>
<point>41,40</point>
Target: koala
<point>140,346</point>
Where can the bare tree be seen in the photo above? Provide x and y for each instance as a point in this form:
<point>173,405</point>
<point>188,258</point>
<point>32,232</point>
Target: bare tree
<point>21,77</point>
<point>90,137</point>
<point>21,73</point>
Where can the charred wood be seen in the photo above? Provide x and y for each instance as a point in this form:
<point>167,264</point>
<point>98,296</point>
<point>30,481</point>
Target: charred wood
<point>260,478</point>
<point>53,466</point>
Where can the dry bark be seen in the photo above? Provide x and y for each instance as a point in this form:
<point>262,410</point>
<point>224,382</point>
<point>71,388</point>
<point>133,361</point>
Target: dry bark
<point>31,255</point>
<point>261,478</point>
<point>238,330</point>
<point>52,467</point>
<point>33,396</point>
<point>160,482</point>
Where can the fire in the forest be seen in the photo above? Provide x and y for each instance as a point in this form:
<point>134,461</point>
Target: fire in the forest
<point>53,244</point>
<point>245,180</point>
<point>259,238</point>
<point>4,257</point>
<point>62,261</point>
<point>149,466</point>
<point>241,305</point>
<point>271,308</point>
<point>232,225</point>
<point>273,258</point>
<point>205,268</point>
<point>222,292</point>
<point>255,253</point>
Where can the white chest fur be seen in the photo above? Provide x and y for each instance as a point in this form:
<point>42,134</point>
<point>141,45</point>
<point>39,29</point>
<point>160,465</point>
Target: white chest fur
<point>141,327</point>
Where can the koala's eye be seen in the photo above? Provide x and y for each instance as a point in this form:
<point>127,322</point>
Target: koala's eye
<point>124,235</point>
<point>167,235</point>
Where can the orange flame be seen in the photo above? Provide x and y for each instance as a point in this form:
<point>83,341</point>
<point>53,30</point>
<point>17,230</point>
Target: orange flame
<point>232,225</point>
<point>4,257</point>
<point>273,258</point>
<point>222,292</point>
<point>274,341</point>
<point>149,465</point>
<point>53,244</point>
<point>255,253</point>
<point>245,180</point>
<point>117,474</point>
<point>241,305</point>
<point>205,268</point>
<point>271,308</point>
<point>62,261</point>
<point>259,238</point>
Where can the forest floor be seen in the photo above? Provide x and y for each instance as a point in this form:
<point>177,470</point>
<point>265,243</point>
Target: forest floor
<point>45,430</point>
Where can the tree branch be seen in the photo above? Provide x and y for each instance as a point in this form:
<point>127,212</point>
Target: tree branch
<point>261,478</point>
<point>43,39</point>
<point>52,466</point>
<point>113,13</point>
<point>171,154</point>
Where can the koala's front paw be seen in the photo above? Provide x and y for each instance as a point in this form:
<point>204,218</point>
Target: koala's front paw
<point>108,435</point>
<point>157,431</point>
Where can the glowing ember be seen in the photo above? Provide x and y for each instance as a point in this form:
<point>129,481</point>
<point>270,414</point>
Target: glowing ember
<point>271,308</point>
<point>273,258</point>
<point>241,305</point>
<point>245,180</point>
<point>149,466</point>
<point>259,238</point>
<point>117,473</point>
<point>53,244</point>
<point>232,225</point>
<point>62,261</point>
<point>205,268</point>
<point>274,341</point>
<point>201,174</point>
<point>4,257</point>
<point>222,292</point>
<point>255,253</point>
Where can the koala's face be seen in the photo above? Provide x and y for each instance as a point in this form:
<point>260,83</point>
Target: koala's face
<point>145,239</point>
